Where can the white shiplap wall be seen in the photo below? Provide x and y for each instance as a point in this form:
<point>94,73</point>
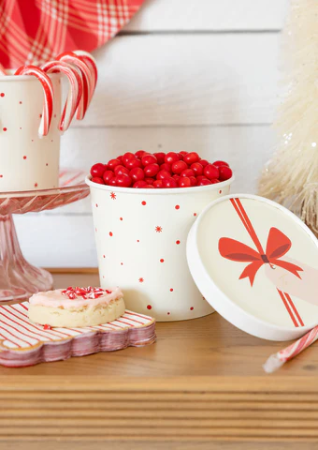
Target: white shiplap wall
<point>184,75</point>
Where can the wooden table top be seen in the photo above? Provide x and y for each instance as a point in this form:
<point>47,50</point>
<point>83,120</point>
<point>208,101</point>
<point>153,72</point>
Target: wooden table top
<point>201,383</point>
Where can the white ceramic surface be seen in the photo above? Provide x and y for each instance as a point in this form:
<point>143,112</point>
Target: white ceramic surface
<point>27,161</point>
<point>256,308</point>
<point>141,239</point>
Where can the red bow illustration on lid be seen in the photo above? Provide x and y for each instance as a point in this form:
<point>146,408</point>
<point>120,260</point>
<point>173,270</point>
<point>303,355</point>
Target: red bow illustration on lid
<point>278,244</point>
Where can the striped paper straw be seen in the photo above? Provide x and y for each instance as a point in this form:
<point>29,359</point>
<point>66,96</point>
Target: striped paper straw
<point>276,360</point>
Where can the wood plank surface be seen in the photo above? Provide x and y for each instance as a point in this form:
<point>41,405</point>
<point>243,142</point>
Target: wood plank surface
<point>186,80</point>
<point>211,15</point>
<point>200,386</point>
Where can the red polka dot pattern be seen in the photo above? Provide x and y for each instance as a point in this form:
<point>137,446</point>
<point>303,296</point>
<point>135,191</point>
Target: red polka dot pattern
<point>164,224</point>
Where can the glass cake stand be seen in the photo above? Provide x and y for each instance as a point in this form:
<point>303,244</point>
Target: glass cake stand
<point>18,278</point>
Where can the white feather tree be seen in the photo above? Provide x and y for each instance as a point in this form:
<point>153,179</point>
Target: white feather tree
<point>291,177</point>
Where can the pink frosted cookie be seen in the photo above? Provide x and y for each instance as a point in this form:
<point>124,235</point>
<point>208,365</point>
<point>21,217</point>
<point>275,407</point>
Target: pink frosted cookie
<point>76,307</point>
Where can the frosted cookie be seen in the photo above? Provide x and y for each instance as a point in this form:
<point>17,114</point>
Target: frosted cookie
<point>76,307</point>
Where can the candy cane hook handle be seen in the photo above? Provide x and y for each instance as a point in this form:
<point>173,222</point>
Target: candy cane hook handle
<point>74,94</point>
<point>48,95</point>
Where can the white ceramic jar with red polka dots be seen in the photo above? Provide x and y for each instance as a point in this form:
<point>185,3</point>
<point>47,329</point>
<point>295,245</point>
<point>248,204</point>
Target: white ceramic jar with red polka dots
<point>141,245</point>
<point>27,161</point>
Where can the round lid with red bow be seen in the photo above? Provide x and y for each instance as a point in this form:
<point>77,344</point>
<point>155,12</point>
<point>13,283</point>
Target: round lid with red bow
<point>256,263</point>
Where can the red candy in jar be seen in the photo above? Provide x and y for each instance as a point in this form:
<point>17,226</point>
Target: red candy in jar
<point>143,170</point>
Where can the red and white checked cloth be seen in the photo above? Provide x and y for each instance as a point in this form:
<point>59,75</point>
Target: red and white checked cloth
<point>36,31</point>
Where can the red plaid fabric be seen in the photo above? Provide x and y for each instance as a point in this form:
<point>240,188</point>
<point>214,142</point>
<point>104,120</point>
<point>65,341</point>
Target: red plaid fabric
<point>35,31</point>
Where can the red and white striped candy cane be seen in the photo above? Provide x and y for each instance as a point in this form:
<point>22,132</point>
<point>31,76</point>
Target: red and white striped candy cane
<point>48,95</point>
<point>87,78</point>
<point>2,71</point>
<point>74,94</point>
<point>91,63</point>
<point>275,361</point>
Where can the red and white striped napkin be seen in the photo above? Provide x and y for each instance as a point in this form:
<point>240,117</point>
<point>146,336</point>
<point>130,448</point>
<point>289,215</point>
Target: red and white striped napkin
<point>23,343</point>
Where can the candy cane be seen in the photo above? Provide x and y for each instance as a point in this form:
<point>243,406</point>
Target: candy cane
<point>48,95</point>
<point>87,78</point>
<point>74,94</point>
<point>275,361</point>
<point>2,71</point>
<point>91,63</point>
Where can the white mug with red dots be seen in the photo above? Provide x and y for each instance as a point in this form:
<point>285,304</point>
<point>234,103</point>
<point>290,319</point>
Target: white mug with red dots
<point>27,161</point>
<point>141,239</point>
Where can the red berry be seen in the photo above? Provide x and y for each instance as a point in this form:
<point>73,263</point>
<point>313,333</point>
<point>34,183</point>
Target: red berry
<point>126,157</point>
<point>97,170</point>
<point>187,173</point>
<point>166,166</point>
<point>157,184</point>
<point>151,170</point>
<point>112,182</point>
<point>176,177</point>
<point>204,182</point>
<point>193,181</point>
<point>121,169</point>
<point>178,167</point>
<point>149,186</point>
<point>149,180</point>
<point>120,158</point>
<point>108,175</point>
<point>191,158</point>
<point>169,183</point>
<point>183,154</point>
<point>148,159</point>
<point>180,156</point>
<point>211,172</point>
<point>123,180</point>
<point>225,173</point>
<point>137,174</point>
<point>203,162</point>
<point>162,174</point>
<point>214,181</point>
<point>197,168</point>
<point>160,157</point>
<point>200,178</point>
<point>171,157</point>
<point>184,182</point>
<point>220,163</point>
<point>97,180</point>
<point>140,184</point>
<point>113,163</point>
<point>140,154</point>
<point>132,163</point>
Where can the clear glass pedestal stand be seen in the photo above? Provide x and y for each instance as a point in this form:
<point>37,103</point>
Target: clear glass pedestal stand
<point>18,278</point>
